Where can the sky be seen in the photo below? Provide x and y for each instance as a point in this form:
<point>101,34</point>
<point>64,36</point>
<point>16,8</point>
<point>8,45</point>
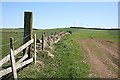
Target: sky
<point>61,14</point>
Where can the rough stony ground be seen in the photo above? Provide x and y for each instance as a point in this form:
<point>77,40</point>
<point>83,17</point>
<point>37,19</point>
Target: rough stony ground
<point>102,56</point>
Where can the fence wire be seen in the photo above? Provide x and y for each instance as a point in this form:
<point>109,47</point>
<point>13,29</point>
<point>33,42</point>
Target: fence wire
<point>18,39</point>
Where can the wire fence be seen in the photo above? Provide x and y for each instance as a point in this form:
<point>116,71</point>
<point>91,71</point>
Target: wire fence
<point>18,39</point>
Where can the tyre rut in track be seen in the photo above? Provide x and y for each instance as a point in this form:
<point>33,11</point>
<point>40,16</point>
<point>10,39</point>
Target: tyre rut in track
<point>102,56</point>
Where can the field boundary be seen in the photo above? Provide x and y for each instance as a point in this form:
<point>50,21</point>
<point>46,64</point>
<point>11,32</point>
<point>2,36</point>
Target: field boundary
<point>27,46</point>
<point>11,57</point>
<point>45,41</point>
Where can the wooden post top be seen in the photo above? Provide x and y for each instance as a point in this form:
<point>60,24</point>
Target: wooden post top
<point>28,12</point>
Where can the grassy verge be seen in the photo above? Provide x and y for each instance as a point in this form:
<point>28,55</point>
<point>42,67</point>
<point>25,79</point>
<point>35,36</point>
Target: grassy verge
<point>69,62</point>
<point>17,34</point>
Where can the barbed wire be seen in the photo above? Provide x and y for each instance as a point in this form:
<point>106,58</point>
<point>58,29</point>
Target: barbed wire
<point>2,37</point>
<point>8,43</point>
<point>5,52</point>
<point>14,36</point>
<point>18,39</point>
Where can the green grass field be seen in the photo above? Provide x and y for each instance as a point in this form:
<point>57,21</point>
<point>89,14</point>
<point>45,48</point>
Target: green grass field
<point>70,60</point>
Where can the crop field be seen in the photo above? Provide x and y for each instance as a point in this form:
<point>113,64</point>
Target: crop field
<point>86,53</point>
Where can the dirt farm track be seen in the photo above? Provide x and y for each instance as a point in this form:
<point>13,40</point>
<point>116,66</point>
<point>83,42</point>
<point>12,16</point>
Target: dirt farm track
<point>102,56</point>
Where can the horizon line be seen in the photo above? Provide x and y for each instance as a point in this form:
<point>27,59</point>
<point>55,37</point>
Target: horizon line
<point>65,27</point>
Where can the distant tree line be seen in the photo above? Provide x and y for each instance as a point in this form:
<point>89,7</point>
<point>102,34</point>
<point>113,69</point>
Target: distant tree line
<point>96,28</point>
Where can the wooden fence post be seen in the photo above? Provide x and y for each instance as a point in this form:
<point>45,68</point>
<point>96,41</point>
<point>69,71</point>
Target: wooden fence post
<point>27,30</point>
<point>35,48</point>
<point>42,41</point>
<point>14,71</point>
<point>49,40</point>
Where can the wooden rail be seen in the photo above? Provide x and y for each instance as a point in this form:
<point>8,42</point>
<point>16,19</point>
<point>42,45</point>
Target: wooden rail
<point>14,70</point>
<point>25,47</point>
<point>20,62</point>
<point>18,65</point>
<point>7,58</point>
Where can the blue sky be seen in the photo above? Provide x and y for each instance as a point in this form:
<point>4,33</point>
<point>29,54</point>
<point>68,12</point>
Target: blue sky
<point>61,14</point>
